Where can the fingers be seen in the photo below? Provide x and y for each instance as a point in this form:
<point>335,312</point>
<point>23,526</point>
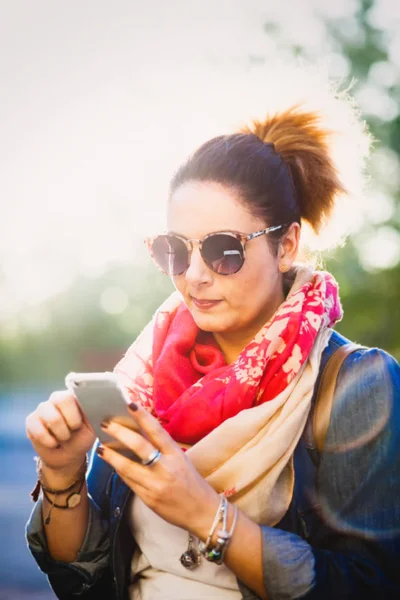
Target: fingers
<point>55,420</point>
<point>66,403</point>
<point>153,429</point>
<point>141,446</point>
<point>131,472</point>
<point>37,432</point>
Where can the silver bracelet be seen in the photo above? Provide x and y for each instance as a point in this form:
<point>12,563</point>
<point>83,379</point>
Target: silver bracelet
<point>191,558</point>
<point>216,553</point>
<point>219,515</point>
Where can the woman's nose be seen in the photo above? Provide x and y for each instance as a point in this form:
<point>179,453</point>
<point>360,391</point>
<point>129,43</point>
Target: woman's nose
<point>197,271</point>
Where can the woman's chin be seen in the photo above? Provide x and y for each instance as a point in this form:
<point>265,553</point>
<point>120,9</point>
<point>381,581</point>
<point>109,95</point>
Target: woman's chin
<point>207,322</point>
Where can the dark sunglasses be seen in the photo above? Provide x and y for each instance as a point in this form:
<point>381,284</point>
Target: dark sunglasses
<point>223,251</point>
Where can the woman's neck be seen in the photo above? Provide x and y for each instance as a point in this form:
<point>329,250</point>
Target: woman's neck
<point>231,345</point>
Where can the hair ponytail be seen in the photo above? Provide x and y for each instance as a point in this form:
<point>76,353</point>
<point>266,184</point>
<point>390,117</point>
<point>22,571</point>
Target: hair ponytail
<point>304,146</point>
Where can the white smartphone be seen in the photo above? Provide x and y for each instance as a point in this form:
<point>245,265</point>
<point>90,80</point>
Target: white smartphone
<point>101,397</point>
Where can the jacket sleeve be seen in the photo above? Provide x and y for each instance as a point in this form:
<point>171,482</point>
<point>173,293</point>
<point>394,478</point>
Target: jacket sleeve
<point>89,576</point>
<point>355,554</point>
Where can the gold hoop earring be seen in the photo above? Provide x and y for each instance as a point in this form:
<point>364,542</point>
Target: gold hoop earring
<point>284,268</point>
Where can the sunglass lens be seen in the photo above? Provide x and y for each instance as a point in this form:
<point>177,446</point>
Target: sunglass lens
<point>170,254</point>
<point>223,253</point>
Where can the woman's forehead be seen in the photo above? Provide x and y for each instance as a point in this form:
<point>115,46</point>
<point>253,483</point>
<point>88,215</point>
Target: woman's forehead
<point>197,208</point>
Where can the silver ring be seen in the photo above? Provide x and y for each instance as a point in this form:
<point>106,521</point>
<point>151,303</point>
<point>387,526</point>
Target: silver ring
<point>152,458</point>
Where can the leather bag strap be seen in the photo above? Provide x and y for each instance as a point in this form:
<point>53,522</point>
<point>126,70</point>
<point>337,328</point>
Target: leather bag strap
<point>326,391</point>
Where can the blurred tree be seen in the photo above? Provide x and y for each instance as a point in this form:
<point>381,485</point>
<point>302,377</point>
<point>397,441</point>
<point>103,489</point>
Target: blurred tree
<point>92,323</point>
<point>372,298</point>
<point>367,42</point>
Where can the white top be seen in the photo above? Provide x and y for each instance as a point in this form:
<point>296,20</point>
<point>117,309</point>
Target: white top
<point>156,571</point>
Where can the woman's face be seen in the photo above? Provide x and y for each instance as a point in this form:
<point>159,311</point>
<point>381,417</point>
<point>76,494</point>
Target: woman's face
<point>243,302</point>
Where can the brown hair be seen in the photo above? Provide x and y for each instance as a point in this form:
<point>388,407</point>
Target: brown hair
<point>304,147</point>
<point>281,167</point>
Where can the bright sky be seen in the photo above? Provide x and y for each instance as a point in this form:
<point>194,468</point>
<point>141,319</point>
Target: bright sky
<point>99,103</point>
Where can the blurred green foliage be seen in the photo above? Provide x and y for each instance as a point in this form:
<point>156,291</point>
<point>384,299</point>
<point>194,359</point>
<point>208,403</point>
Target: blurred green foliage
<point>78,327</point>
<point>371,299</point>
<point>79,334</point>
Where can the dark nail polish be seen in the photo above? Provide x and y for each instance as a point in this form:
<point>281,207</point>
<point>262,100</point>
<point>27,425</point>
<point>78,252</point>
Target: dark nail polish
<point>105,423</point>
<point>100,450</point>
<point>133,406</point>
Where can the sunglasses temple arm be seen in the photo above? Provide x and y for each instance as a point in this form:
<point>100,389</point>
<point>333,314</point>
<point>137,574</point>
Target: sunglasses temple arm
<point>263,232</point>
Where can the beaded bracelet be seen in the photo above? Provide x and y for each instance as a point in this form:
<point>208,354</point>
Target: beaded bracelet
<point>191,558</point>
<point>216,552</point>
<point>219,515</point>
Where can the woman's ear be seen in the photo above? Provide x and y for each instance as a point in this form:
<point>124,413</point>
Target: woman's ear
<point>288,248</point>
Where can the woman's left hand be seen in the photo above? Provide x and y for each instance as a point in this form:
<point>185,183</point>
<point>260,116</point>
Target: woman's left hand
<point>171,487</point>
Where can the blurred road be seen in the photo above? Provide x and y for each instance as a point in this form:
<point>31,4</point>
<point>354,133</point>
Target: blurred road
<point>20,578</point>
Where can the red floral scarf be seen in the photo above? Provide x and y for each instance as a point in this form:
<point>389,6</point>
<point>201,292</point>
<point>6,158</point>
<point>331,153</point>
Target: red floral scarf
<point>179,373</point>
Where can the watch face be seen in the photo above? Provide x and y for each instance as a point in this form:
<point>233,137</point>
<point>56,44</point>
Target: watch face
<point>73,500</point>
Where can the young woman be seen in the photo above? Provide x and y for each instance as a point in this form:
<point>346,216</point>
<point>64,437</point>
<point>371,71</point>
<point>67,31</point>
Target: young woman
<point>231,499</point>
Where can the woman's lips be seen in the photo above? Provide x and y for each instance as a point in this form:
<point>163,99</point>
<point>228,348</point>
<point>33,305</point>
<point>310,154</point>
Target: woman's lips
<point>205,304</point>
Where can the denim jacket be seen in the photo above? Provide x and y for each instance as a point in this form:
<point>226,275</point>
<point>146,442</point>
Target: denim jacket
<point>340,537</point>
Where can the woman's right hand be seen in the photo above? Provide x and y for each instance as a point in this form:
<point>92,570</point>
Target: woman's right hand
<point>60,433</point>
